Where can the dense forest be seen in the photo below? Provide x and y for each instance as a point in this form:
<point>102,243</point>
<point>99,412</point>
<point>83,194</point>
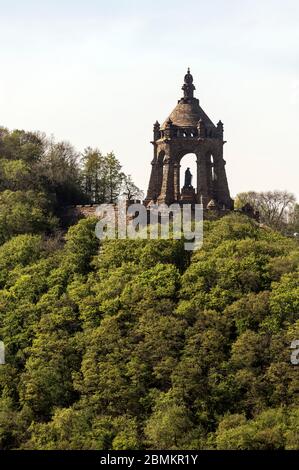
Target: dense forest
<point>133,344</point>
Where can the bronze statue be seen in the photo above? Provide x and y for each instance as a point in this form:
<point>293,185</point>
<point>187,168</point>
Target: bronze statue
<point>188,179</point>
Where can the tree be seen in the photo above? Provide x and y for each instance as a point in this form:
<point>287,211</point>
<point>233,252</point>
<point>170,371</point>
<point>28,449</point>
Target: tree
<point>20,250</point>
<point>81,245</point>
<point>274,207</point>
<point>14,174</point>
<point>130,190</point>
<point>270,430</point>
<point>58,171</point>
<point>31,161</point>
<point>21,145</point>
<point>102,176</point>
<point>294,220</point>
<point>24,212</point>
<point>113,177</point>
<point>168,425</point>
<point>92,174</point>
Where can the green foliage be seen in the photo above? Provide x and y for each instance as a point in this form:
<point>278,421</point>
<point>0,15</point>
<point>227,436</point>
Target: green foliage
<point>103,180</point>
<point>24,212</point>
<point>40,177</point>
<point>274,208</point>
<point>168,425</point>
<point>21,250</point>
<point>81,245</point>
<point>271,430</point>
<point>131,344</point>
<point>14,174</point>
<point>31,162</point>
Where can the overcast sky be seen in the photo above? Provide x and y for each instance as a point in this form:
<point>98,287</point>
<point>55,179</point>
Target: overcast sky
<point>99,73</point>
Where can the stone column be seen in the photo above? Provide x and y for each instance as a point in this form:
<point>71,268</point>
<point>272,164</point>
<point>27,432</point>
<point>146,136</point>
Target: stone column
<point>151,193</point>
<point>176,177</point>
<point>222,185</point>
<point>167,189</point>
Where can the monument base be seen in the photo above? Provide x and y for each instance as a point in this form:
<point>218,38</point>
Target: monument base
<point>188,194</point>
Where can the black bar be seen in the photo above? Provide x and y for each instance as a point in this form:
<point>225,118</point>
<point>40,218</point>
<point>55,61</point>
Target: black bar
<point>137,459</point>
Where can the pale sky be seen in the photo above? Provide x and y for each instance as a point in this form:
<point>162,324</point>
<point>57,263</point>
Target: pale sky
<point>99,73</point>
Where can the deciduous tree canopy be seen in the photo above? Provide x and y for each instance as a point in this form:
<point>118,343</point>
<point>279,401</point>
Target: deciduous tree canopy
<point>127,347</point>
<point>134,344</point>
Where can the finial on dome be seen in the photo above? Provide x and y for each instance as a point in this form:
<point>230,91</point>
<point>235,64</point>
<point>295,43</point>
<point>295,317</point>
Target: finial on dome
<point>188,86</point>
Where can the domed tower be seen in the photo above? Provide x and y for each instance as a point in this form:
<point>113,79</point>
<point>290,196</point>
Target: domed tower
<point>188,130</point>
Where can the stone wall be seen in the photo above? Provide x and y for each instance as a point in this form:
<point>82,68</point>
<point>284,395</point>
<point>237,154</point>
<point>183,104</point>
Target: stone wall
<point>72,214</point>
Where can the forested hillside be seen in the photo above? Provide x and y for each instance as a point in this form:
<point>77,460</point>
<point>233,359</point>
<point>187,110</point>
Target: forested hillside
<point>132,347</point>
<point>133,344</point>
<point>39,177</point>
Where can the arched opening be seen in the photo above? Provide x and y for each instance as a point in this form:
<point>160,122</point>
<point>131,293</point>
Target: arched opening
<point>213,175</point>
<point>188,161</point>
<point>159,177</point>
